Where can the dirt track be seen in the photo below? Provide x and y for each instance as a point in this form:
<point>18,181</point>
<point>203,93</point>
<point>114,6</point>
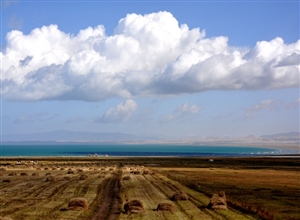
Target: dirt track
<point>111,204</point>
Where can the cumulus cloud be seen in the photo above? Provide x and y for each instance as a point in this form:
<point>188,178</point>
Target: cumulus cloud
<point>186,108</point>
<point>252,111</point>
<point>182,111</point>
<point>121,113</point>
<point>147,55</point>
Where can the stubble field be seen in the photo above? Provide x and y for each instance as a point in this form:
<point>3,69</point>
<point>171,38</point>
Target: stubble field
<point>255,188</point>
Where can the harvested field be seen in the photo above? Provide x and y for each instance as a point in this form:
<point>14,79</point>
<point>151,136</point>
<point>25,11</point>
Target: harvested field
<point>150,188</point>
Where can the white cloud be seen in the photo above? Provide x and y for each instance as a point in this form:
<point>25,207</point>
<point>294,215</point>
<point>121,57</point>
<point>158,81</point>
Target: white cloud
<point>293,104</point>
<point>120,113</point>
<point>252,111</point>
<point>146,56</point>
<point>181,112</point>
<point>186,108</point>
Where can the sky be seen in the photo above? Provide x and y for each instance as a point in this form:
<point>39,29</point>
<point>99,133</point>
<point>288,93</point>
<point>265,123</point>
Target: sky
<point>171,69</point>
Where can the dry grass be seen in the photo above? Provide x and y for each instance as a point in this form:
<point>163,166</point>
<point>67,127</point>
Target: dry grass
<point>270,192</point>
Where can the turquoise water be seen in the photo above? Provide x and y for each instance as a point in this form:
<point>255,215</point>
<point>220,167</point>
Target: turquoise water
<point>71,149</point>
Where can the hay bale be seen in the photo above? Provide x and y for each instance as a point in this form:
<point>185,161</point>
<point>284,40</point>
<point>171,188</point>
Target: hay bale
<point>50,179</point>
<point>83,177</point>
<point>70,172</point>
<point>48,174</point>
<point>35,174</point>
<point>126,178</point>
<point>62,168</point>
<point>12,174</point>
<point>133,206</point>
<point>23,174</point>
<point>136,172</point>
<point>179,195</point>
<point>46,168</point>
<point>6,181</point>
<point>166,206</point>
<point>145,172</point>
<point>218,201</point>
<point>78,204</point>
<point>2,169</point>
<point>67,178</point>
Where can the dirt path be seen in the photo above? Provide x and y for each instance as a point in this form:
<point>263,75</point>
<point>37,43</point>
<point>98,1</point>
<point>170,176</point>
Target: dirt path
<point>110,208</point>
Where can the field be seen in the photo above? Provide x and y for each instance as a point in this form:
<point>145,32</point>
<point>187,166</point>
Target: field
<point>255,188</point>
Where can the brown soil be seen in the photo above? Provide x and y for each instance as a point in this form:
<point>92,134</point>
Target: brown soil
<point>110,207</point>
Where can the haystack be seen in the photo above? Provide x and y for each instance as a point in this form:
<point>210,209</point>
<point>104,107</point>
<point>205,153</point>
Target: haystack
<point>133,206</point>
<point>126,178</point>
<point>218,201</point>
<point>50,179</point>
<point>166,206</point>
<point>23,174</point>
<point>78,204</point>
<point>180,195</point>
<point>35,174</point>
<point>83,177</point>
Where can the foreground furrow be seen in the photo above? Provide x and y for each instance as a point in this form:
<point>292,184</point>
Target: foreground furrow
<point>110,206</point>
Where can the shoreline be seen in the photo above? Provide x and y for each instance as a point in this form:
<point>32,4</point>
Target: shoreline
<point>79,158</point>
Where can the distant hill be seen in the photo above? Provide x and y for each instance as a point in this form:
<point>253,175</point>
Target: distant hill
<point>71,136</point>
<point>283,137</point>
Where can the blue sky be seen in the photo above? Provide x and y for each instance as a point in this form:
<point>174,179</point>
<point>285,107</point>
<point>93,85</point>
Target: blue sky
<point>163,69</point>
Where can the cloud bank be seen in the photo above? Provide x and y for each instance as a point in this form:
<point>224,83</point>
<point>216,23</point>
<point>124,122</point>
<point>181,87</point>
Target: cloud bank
<point>147,55</point>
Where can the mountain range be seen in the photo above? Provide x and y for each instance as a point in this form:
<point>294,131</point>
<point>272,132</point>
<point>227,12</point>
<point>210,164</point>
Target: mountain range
<point>291,138</point>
